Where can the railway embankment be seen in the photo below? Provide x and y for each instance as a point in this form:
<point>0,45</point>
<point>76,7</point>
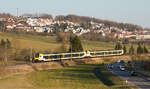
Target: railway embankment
<point>31,67</point>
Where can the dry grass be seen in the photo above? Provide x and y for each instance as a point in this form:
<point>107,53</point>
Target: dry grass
<point>96,45</point>
<point>41,43</point>
<point>38,43</point>
<point>85,76</point>
<point>78,77</point>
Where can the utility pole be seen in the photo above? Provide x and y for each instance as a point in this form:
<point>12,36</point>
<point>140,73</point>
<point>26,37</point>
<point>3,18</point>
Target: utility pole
<point>31,52</point>
<point>71,52</point>
<point>17,12</point>
<point>70,46</point>
<point>5,55</point>
<point>86,47</point>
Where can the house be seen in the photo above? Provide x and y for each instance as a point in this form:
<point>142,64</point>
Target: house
<point>142,37</point>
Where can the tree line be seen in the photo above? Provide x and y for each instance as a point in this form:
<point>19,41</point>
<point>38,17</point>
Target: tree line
<point>85,21</point>
<point>141,49</point>
<point>9,52</point>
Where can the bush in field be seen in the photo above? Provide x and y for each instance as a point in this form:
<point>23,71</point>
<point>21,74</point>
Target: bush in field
<point>25,54</point>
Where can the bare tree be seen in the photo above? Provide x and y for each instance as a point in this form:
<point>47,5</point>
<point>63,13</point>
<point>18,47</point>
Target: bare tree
<point>16,47</point>
<point>5,50</point>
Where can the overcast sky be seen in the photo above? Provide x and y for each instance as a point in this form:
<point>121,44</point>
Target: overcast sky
<point>127,11</point>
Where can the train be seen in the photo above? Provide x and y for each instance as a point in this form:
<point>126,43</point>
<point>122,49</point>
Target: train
<point>43,57</point>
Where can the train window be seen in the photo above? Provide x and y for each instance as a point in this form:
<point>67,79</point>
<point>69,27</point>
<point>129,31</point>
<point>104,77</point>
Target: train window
<point>67,55</point>
<point>92,53</point>
<point>114,52</point>
<point>120,52</point>
<point>53,57</point>
<point>110,52</point>
<point>59,56</point>
<point>37,55</point>
<point>75,55</point>
<point>46,57</point>
<point>107,53</point>
<point>98,53</point>
<point>81,54</point>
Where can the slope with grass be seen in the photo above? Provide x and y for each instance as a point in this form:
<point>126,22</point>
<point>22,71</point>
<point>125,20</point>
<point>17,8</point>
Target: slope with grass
<point>27,41</point>
<point>85,76</point>
<point>48,43</point>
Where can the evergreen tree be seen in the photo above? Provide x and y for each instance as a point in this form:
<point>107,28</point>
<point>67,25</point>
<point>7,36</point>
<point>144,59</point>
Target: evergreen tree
<point>118,46</point>
<point>124,49</point>
<point>75,44</point>
<point>3,43</point>
<point>8,43</point>
<point>145,50</point>
<point>131,50</point>
<point>139,49</point>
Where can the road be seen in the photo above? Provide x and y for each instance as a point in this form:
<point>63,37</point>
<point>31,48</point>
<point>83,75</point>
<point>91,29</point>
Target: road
<point>138,81</point>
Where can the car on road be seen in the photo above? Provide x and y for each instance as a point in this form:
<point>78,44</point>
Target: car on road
<point>118,61</point>
<point>110,66</point>
<point>129,62</point>
<point>122,68</point>
<point>122,61</point>
<point>134,73</point>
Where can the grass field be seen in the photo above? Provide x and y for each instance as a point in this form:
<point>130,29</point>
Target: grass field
<point>28,41</point>
<point>41,43</point>
<point>96,45</point>
<point>86,76</point>
<point>49,43</point>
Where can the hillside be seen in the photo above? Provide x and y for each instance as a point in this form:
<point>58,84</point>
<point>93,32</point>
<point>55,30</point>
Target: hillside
<point>22,45</point>
<point>78,25</point>
<point>85,20</point>
<point>48,43</point>
<point>76,77</point>
<point>28,41</point>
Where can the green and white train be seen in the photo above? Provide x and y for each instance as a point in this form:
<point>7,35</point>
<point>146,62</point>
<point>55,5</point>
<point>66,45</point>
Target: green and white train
<point>38,57</point>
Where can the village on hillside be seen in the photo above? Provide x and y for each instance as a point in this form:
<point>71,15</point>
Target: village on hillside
<point>49,25</point>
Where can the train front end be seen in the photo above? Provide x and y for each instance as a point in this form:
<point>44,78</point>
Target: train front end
<point>36,57</point>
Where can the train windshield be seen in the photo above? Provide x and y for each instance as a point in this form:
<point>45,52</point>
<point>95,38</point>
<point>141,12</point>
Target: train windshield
<point>37,55</point>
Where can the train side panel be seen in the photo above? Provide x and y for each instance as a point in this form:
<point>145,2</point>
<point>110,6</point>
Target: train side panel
<point>76,55</point>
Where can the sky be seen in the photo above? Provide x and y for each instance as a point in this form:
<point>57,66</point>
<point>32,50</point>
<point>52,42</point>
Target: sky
<point>126,11</point>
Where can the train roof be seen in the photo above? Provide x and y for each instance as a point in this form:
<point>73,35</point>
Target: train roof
<point>74,52</point>
<point>57,52</point>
